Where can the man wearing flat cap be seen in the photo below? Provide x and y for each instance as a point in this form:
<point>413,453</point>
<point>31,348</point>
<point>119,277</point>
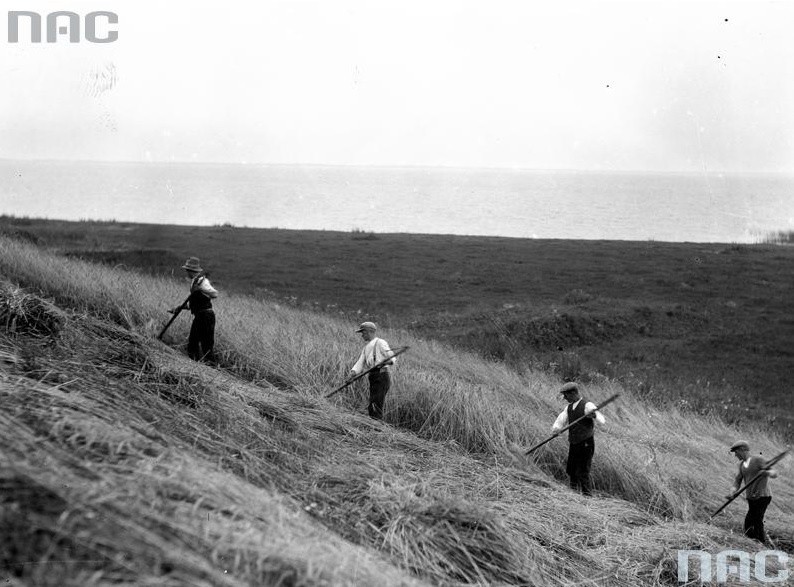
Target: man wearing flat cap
<point>581,441</point>
<point>375,351</point>
<point>201,341</point>
<point>758,495</point>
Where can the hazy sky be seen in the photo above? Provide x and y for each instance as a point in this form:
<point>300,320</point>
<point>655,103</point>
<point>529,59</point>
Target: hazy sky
<point>587,85</point>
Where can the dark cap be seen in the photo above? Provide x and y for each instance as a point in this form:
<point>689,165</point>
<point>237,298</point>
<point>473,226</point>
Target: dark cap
<point>569,387</point>
<point>367,326</point>
<point>739,444</point>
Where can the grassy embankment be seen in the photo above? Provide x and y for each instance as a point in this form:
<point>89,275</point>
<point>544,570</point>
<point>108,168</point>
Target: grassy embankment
<point>122,461</point>
<point>705,327</point>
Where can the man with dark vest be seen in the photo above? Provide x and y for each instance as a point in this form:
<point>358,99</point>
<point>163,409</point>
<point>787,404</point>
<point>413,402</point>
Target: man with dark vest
<point>201,341</point>
<point>376,350</point>
<point>580,436</point>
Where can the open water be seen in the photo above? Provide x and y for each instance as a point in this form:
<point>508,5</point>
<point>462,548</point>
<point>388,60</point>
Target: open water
<point>707,207</point>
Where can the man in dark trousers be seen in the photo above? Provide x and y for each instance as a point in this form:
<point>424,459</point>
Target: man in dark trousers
<point>758,494</point>
<point>375,350</point>
<point>201,342</point>
<point>580,437</point>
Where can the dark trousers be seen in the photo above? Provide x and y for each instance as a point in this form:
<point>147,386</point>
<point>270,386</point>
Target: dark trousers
<point>201,341</point>
<point>580,457</point>
<point>754,520</point>
<point>379,384</point>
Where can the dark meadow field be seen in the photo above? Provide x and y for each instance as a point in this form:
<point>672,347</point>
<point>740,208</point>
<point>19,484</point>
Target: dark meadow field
<point>708,327</point>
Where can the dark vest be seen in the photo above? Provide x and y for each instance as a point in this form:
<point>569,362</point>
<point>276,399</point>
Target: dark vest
<point>584,429</point>
<point>198,301</point>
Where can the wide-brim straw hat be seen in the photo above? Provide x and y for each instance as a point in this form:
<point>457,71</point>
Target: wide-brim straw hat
<point>192,264</point>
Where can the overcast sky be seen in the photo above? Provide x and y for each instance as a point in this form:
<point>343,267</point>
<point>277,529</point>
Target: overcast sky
<point>546,85</point>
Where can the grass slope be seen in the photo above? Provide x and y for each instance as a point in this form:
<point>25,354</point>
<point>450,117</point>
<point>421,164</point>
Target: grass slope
<point>123,462</point>
<point>706,327</point>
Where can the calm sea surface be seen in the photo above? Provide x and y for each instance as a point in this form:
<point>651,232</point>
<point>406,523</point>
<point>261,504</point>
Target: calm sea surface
<point>533,204</point>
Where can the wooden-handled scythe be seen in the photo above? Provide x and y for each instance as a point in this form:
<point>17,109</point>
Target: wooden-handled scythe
<point>395,353</point>
<point>769,464</point>
<point>571,425</point>
<point>181,307</point>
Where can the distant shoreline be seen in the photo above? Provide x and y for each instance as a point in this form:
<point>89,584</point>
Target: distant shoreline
<point>785,238</point>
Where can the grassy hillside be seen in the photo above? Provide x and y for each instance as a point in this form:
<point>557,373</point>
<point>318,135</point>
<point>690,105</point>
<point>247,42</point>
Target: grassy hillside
<point>124,462</point>
<point>704,327</point>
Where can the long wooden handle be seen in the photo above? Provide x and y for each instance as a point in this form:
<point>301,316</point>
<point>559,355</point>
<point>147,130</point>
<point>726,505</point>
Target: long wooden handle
<point>396,353</point>
<point>176,313</point>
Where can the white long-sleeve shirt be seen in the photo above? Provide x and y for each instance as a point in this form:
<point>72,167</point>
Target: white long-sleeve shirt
<point>202,284</point>
<point>375,351</point>
<point>562,420</point>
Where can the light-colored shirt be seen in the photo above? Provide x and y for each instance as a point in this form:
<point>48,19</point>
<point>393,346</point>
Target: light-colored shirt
<point>562,420</point>
<point>202,284</point>
<point>375,351</point>
<point>749,469</point>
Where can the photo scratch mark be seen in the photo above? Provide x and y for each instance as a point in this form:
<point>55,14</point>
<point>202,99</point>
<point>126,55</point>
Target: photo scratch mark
<point>99,79</point>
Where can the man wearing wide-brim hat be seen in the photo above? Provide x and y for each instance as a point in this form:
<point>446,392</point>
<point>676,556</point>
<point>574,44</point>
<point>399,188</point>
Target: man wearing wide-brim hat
<point>581,439</point>
<point>376,350</point>
<point>758,495</point>
<point>201,341</point>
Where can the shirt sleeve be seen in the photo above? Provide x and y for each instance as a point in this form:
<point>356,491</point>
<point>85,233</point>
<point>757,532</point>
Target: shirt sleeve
<point>561,421</point>
<point>205,287</point>
<point>383,352</point>
<point>737,481</point>
<point>359,366</point>
<point>589,408</point>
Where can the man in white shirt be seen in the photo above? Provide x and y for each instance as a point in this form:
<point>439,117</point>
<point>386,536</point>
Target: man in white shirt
<point>375,351</point>
<point>581,441</point>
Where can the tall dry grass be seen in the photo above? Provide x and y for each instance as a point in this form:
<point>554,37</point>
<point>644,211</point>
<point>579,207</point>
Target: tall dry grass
<point>111,430</point>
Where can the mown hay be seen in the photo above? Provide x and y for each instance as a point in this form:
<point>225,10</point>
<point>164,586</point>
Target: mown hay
<point>97,493</point>
<point>22,312</point>
<point>174,472</point>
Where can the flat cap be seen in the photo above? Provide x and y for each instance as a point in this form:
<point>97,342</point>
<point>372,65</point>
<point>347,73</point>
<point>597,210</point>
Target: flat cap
<point>367,326</point>
<point>569,387</point>
<point>740,444</point>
